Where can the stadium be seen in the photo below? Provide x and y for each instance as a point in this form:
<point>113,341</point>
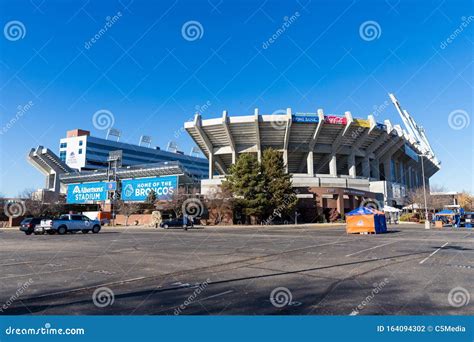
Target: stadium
<point>335,161</point>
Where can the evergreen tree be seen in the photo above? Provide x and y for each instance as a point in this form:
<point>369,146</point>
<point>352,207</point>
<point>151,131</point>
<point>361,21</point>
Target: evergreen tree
<point>261,189</point>
<point>278,184</point>
<point>247,184</point>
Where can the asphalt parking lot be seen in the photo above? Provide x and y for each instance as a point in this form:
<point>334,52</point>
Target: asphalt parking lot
<point>248,271</point>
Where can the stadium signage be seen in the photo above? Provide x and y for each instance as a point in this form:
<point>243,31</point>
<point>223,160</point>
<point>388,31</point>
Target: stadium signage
<point>86,192</point>
<point>138,189</point>
<point>305,117</point>
<point>362,123</point>
<point>335,120</point>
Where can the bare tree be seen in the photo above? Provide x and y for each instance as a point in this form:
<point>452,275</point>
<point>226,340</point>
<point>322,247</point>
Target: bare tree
<point>220,205</point>
<point>127,209</point>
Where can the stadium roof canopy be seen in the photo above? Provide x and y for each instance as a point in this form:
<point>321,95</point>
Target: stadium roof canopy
<point>296,135</point>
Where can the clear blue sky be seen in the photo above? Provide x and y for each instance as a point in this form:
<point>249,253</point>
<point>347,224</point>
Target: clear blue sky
<point>152,79</point>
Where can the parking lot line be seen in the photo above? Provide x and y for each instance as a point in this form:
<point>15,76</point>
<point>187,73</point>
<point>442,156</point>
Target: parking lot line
<point>369,249</point>
<point>436,251</point>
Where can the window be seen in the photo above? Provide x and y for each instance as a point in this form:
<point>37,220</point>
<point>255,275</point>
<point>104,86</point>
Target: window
<point>62,155</point>
<point>63,145</point>
<point>76,217</point>
<point>80,142</point>
<point>80,151</point>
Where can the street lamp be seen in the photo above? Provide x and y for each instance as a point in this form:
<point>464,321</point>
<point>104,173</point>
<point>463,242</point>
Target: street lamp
<point>427,221</point>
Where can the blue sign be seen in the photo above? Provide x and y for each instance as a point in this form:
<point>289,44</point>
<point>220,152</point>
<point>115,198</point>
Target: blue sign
<point>87,192</point>
<point>411,153</point>
<point>305,118</point>
<point>111,186</point>
<point>138,189</point>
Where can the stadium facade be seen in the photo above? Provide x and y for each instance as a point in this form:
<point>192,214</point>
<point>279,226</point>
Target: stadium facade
<point>98,167</point>
<point>335,161</point>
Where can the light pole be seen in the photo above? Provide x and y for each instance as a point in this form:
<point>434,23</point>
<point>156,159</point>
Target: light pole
<point>427,221</point>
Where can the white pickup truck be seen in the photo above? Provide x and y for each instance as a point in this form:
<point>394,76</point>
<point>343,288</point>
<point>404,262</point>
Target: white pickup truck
<point>68,223</point>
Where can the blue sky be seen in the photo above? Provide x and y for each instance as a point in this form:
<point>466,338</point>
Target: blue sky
<point>144,71</point>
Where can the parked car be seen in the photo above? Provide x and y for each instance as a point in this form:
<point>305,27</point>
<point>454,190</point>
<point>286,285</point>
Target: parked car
<point>28,224</point>
<point>176,222</point>
<point>69,223</point>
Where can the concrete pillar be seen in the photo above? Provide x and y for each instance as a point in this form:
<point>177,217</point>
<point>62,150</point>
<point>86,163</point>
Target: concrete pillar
<point>366,167</point>
<point>351,165</point>
<point>387,169</point>
<point>333,165</point>
<point>410,180</point>
<point>234,157</point>
<point>402,172</point>
<point>211,165</point>
<point>310,165</point>
<point>376,169</point>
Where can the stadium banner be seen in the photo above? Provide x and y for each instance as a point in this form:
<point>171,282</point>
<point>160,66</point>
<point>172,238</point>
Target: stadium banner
<point>86,192</point>
<point>362,123</point>
<point>411,153</point>
<point>223,328</point>
<point>335,120</point>
<point>138,189</point>
<point>305,117</point>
